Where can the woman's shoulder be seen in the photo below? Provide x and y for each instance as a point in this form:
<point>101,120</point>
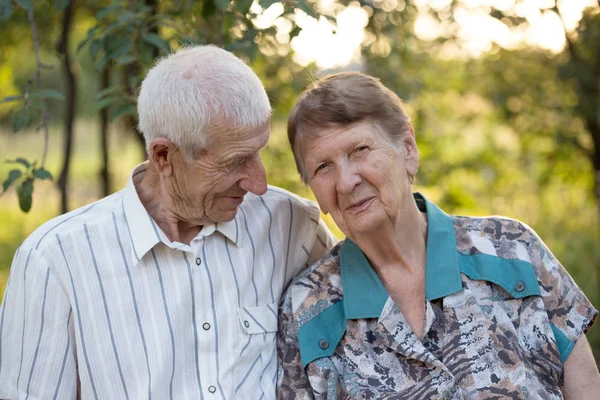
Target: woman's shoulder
<point>318,287</point>
<point>495,235</point>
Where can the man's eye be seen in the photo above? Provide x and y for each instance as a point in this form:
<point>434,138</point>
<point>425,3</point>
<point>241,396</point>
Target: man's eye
<point>360,149</point>
<point>239,162</point>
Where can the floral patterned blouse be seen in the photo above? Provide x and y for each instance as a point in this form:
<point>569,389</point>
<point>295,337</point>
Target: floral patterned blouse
<point>502,315</point>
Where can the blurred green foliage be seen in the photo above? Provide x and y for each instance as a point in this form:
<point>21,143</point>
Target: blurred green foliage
<point>506,133</point>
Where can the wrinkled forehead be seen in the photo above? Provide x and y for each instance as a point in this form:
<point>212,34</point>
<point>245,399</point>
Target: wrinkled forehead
<point>310,136</point>
<point>223,134</point>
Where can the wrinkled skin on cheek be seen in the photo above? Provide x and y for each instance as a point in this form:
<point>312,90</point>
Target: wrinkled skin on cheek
<point>208,190</point>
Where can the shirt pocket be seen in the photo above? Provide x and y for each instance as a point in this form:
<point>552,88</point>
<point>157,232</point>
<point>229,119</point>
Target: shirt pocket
<point>256,368</point>
<point>258,319</point>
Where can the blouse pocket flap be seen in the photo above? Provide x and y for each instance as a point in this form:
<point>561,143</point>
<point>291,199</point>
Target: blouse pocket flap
<point>259,319</point>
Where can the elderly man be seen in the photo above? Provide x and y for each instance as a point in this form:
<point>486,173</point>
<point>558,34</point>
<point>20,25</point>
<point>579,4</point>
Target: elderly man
<point>167,289</point>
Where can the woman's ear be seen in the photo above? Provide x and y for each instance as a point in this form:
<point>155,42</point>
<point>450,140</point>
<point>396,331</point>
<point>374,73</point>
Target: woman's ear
<point>162,153</point>
<point>411,151</point>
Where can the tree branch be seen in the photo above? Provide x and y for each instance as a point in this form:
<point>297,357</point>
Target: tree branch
<point>38,81</point>
<point>570,46</point>
<point>578,145</point>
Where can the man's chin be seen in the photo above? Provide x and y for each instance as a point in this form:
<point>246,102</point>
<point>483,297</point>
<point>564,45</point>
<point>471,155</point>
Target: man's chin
<point>223,215</point>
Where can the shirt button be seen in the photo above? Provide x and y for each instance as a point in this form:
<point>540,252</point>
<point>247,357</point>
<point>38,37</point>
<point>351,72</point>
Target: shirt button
<point>198,261</point>
<point>206,326</point>
<point>247,324</point>
<point>323,344</point>
<point>212,389</point>
<point>519,286</point>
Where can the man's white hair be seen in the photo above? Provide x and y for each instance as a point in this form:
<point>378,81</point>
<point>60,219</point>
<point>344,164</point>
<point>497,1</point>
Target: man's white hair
<point>188,89</point>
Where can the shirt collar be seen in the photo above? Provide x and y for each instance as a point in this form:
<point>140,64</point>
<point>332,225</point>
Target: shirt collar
<point>145,233</point>
<point>365,295</point>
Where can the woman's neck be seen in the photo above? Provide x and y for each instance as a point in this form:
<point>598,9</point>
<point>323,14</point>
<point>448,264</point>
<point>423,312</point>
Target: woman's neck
<point>400,244</point>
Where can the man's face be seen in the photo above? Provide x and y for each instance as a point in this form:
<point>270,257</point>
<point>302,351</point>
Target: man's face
<point>210,188</point>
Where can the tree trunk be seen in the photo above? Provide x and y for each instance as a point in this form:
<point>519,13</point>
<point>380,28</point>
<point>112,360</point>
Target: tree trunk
<point>70,94</point>
<point>130,121</point>
<point>132,70</point>
<point>594,128</point>
<point>104,170</point>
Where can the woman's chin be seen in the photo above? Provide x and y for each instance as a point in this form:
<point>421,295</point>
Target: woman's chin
<point>363,225</point>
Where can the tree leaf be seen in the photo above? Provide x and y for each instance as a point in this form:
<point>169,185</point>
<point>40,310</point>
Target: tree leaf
<point>6,10</point>
<point>13,175</point>
<point>208,9</point>
<point>42,173</point>
<point>267,3</point>
<point>157,41</point>
<point>222,4</point>
<point>20,160</point>
<point>25,191</point>
<point>95,47</point>
<point>60,4</point>
<point>100,15</point>
<point>126,109</point>
<point>26,4</point>
<point>21,119</point>
<point>109,90</point>
<point>50,94</point>
<point>118,47</point>
<point>103,103</point>
<point>11,98</point>
<point>243,6</point>
<point>125,60</point>
<point>308,8</point>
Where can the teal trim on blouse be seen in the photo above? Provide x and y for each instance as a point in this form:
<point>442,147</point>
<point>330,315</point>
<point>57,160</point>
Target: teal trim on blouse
<point>442,269</point>
<point>365,295</point>
<point>328,328</point>
<point>565,345</point>
<point>515,276</point>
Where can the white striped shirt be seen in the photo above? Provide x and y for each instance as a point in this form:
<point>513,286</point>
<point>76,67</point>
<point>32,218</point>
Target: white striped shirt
<point>101,305</point>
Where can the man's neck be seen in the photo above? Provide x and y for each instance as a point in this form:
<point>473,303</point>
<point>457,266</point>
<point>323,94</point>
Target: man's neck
<point>159,205</point>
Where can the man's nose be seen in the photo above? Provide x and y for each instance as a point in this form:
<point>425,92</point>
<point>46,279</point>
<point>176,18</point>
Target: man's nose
<point>255,180</point>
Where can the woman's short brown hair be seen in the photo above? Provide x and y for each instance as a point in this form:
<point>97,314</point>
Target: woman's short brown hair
<point>343,99</point>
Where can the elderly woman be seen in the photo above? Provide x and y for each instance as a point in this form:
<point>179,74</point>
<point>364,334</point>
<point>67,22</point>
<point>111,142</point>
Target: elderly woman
<point>416,303</point>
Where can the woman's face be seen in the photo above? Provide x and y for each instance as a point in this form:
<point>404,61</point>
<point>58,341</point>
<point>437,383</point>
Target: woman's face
<point>359,176</point>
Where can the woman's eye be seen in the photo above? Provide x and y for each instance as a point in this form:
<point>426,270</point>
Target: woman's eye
<point>360,149</point>
<point>320,167</point>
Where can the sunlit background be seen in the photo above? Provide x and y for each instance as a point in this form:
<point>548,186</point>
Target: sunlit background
<point>335,45</point>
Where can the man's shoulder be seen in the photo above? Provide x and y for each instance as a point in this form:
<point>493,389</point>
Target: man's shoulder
<point>73,222</point>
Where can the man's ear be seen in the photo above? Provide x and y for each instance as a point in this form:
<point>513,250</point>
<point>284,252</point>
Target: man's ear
<point>162,154</point>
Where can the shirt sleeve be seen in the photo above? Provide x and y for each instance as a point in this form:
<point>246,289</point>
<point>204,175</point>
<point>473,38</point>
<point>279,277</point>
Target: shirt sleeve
<point>570,312</point>
<point>324,241</point>
<point>292,382</point>
<point>37,346</point>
